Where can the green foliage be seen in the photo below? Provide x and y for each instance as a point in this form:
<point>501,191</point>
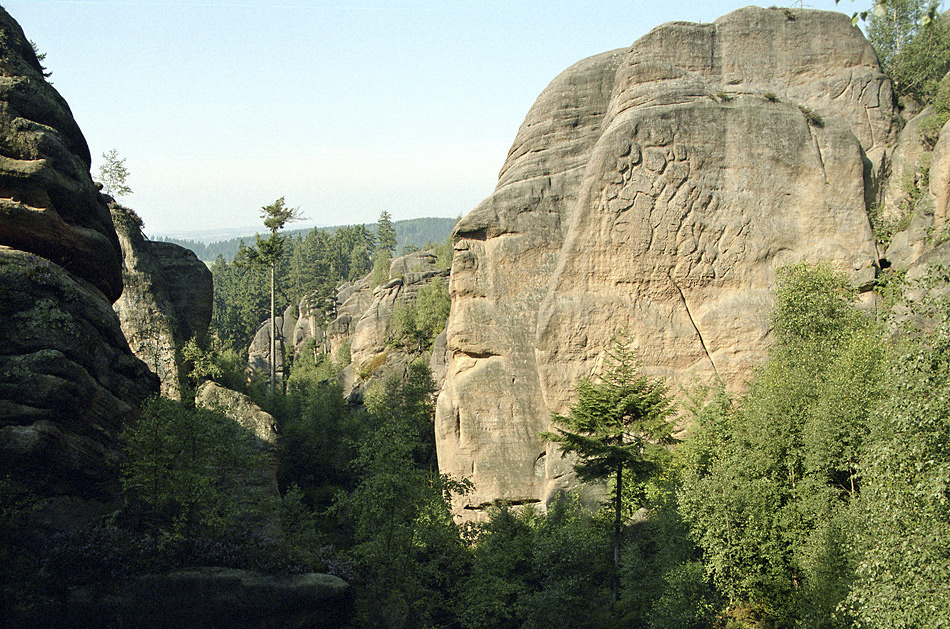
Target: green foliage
<point>913,43</point>
<point>572,564</point>
<point>812,117</point>
<point>812,304</point>
<point>612,427</point>
<point>932,124</point>
<point>417,232</point>
<point>113,175</point>
<point>502,571</point>
<point>534,570</point>
<point>182,467</point>
<point>199,363</point>
<point>381,264</point>
<point>385,234</point>
<point>319,432</point>
<point>903,578</point>
<point>662,575</point>
<point>615,419</point>
<point>892,26</point>
<point>444,252</point>
<point>241,300</point>
<point>408,551</point>
<point>415,324</point>
<point>772,97</point>
<point>278,214</point>
<point>771,482</point>
<point>40,58</point>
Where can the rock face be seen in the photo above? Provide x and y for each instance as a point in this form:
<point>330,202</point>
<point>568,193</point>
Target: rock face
<point>50,206</point>
<point>259,485</point>
<point>68,381</point>
<point>361,326</point>
<point>168,299</point>
<point>655,190</point>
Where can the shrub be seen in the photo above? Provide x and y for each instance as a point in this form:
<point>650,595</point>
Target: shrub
<point>183,466</point>
<point>812,117</point>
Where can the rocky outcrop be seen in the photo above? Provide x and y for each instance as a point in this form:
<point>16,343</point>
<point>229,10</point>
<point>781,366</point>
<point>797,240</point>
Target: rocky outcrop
<point>167,300</point>
<point>361,327</point>
<point>655,190</point>
<point>213,598</point>
<point>68,381</point>
<point>48,203</point>
<point>258,485</point>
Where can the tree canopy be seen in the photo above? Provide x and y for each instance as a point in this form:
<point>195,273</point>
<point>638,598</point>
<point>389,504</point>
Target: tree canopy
<point>613,423</point>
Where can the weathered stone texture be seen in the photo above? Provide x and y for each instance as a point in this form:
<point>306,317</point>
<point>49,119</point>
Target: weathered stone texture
<point>210,598</point>
<point>68,381</point>
<point>655,190</point>
<point>168,298</point>
<point>259,493</point>
<point>48,203</point>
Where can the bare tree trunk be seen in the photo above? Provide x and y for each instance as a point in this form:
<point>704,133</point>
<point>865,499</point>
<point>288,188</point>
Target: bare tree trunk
<point>617,530</point>
<point>273,334</point>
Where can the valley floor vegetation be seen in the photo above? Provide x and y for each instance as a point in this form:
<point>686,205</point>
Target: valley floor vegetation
<point>819,498</point>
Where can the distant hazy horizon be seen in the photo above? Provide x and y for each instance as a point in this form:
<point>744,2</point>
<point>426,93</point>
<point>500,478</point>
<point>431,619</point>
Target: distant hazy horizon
<point>345,109</point>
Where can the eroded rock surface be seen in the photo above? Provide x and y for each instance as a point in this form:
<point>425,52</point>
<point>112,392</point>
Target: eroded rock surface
<point>655,190</point>
<point>215,598</point>
<point>258,488</point>
<point>167,300</point>
<point>361,328</point>
<point>68,381</point>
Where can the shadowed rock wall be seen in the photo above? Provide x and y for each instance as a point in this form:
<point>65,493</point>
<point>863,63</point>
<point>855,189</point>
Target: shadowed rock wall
<point>68,381</point>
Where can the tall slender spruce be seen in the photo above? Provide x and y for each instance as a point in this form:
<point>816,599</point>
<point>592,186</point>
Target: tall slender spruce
<point>616,418</point>
<point>268,252</point>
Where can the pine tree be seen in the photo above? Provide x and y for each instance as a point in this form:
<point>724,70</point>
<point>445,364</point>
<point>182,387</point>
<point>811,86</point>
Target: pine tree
<point>611,426</point>
<point>268,252</point>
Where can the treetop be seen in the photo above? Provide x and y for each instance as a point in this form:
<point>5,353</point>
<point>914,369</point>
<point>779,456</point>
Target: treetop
<point>278,214</point>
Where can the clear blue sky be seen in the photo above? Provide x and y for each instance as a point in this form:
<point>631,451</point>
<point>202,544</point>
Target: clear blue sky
<point>345,108</point>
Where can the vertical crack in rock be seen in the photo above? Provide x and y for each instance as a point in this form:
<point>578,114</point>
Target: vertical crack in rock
<point>702,341</point>
<point>821,159</point>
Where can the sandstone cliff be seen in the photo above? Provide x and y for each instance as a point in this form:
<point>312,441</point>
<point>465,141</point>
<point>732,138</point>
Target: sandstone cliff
<point>167,300</point>
<point>361,329</point>
<point>68,381</point>
<point>656,189</point>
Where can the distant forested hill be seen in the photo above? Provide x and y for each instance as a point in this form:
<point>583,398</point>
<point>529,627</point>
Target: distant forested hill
<point>415,232</point>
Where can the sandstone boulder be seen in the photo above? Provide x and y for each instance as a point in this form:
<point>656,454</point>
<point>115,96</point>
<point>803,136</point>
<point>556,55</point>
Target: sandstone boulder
<point>217,598</point>
<point>259,490</point>
<point>655,190</point>
<point>48,203</point>
<point>68,381</point>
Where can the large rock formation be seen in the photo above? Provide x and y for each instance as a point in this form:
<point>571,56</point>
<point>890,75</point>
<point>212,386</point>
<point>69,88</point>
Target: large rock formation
<point>168,299</point>
<point>656,190</point>
<point>217,597</point>
<point>68,381</point>
<point>361,329</point>
<point>258,485</point>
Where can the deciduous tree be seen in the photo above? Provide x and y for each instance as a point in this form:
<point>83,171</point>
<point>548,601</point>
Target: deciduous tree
<point>113,175</point>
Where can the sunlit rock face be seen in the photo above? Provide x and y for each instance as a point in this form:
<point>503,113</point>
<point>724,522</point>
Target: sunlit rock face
<point>167,300</point>
<point>68,381</point>
<point>655,190</point>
